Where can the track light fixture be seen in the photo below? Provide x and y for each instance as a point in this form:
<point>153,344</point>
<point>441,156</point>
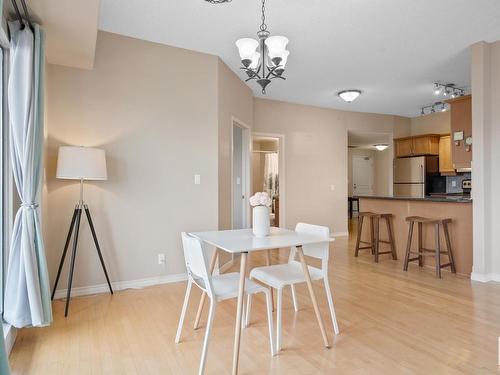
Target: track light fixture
<point>432,108</point>
<point>448,90</point>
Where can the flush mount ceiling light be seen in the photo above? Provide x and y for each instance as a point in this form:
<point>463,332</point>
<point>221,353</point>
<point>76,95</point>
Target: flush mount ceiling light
<point>349,95</point>
<point>381,146</point>
<point>265,59</point>
<point>448,90</point>
<point>432,108</point>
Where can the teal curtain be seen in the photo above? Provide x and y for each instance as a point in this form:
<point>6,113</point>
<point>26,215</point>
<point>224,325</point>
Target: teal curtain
<point>27,292</point>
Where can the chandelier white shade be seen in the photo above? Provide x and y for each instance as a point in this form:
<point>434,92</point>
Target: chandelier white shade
<point>81,163</point>
<point>276,45</point>
<point>247,48</point>
<point>349,95</point>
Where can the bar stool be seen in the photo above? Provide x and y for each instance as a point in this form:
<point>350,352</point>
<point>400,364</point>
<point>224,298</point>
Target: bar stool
<point>411,220</point>
<point>375,240</point>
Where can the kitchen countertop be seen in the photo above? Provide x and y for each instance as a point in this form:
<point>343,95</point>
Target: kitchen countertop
<point>427,198</point>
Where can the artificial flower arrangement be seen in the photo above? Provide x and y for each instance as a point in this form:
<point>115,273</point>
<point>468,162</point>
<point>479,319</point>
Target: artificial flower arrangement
<point>260,199</point>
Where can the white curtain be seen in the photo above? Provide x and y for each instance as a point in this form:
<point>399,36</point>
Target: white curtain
<point>271,181</point>
<point>27,292</point>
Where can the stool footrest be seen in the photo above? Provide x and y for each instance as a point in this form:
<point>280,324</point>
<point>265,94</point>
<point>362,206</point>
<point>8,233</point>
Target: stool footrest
<point>384,241</point>
<point>384,252</point>
<point>364,247</point>
<point>445,265</point>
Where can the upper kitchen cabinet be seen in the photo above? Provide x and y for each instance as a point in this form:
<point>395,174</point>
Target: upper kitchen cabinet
<point>445,162</point>
<point>426,144</point>
<point>461,129</point>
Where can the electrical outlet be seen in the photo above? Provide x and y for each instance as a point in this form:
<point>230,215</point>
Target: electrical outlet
<point>453,183</point>
<point>197,179</point>
<point>162,259</point>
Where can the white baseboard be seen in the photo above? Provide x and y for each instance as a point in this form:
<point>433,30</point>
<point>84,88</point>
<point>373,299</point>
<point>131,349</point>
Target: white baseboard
<point>485,277</point>
<point>340,234</point>
<point>10,334</point>
<point>121,285</point>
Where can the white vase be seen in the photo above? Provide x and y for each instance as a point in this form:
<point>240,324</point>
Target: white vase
<point>260,221</point>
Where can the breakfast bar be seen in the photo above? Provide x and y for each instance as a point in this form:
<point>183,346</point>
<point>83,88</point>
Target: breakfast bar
<point>457,208</point>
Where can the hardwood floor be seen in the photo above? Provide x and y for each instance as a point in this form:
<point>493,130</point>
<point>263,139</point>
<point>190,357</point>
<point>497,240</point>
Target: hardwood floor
<point>391,322</point>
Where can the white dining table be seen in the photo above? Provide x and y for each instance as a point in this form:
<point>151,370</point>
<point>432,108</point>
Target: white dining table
<point>242,241</point>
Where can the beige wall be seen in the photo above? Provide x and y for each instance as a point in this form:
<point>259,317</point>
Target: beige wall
<point>485,79</point>
<point>383,167</point>
<point>316,156</point>
<point>153,109</point>
<point>435,123</point>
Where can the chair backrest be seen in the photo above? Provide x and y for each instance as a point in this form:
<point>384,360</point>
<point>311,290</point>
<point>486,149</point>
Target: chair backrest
<point>319,250</point>
<point>196,264</point>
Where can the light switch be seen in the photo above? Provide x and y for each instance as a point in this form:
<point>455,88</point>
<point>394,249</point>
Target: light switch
<point>197,179</point>
<point>238,181</point>
<point>453,183</point>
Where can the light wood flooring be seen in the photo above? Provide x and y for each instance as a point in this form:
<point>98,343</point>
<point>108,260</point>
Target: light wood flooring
<point>391,322</point>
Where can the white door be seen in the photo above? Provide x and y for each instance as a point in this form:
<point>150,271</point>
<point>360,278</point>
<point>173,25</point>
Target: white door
<point>362,175</point>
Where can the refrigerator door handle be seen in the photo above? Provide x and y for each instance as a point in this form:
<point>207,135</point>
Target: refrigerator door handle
<point>423,180</point>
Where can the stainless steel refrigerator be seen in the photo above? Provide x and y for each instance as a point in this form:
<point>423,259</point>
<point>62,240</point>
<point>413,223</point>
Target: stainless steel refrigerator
<point>411,175</point>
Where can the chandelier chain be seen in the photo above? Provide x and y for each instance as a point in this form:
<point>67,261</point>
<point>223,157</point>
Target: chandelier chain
<point>263,26</point>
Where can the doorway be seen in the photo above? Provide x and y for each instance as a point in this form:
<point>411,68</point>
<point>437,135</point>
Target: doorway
<point>268,171</point>
<point>240,178</point>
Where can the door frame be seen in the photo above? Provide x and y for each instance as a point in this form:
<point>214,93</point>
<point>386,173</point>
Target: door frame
<point>281,170</point>
<point>246,148</point>
<point>372,171</point>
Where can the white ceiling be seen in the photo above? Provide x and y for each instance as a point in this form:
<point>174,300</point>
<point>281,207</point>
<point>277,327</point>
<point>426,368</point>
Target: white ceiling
<point>393,50</point>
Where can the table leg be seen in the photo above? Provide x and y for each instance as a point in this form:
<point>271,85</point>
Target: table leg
<point>239,312</point>
<point>203,294</point>
<point>300,252</point>
<point>268,263</point>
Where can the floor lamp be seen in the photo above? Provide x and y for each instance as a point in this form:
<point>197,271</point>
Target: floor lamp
<point>80,163</point>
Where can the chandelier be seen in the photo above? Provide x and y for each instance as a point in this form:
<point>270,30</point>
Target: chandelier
<point>265,59</point>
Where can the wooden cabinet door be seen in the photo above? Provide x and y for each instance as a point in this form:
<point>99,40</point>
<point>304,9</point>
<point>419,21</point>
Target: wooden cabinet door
<point>426,145</point>
<point>404,147</point>
<point>445,163</point>
<point>461,120</point>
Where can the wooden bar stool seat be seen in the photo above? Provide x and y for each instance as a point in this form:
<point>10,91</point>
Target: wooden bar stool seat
<point>422,251</point>
<point>375,241</point>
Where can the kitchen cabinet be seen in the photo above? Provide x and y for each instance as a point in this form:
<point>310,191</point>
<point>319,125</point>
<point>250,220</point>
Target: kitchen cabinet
<point>445,161</point>
<point>426,144</point>
<point>404,147</point>
<point>461,121</point>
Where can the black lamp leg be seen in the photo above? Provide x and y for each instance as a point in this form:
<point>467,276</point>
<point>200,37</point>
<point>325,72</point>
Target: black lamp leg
<point>73,256</point>
<point>63,257</point>
<point>89,218</point>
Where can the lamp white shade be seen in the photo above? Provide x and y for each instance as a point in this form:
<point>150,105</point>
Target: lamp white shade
<point>81,163</point>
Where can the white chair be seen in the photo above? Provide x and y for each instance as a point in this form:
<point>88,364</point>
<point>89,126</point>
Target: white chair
<point>217,288</point>
<point>280,275</point>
